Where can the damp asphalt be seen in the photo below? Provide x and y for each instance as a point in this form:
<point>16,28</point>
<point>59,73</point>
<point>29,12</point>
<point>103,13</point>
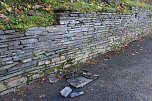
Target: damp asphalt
<point>123,76</point>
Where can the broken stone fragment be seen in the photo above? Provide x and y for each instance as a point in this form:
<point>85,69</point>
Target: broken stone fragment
<point>2,87</point>
<point>42,96</point>
<point>75,94</point>
<point>71,74</point>
<point>66,91</point>
<point>79,81</point>
<point>17,82</point>
<point>89,75</point>
<point>52,78</point>
<point>36,76</point>
<point>26,60</point>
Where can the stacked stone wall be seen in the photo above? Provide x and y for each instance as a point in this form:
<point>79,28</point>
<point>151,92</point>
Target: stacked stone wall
<point>78,36</point>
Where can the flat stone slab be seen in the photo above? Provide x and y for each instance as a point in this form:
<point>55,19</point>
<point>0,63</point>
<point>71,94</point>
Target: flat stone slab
<point>79,81</point>
<point>76,94</point>
<point>53,78</point>
<point>66,91</point>
<point>89,75</point>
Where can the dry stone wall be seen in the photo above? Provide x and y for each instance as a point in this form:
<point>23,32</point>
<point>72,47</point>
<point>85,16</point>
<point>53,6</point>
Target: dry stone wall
<point>78,36</point>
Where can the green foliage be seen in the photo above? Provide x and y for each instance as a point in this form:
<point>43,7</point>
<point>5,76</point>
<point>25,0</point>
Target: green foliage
<point>107,8</point>
<point>28,21</point>
<point>150,15</point>
<point>136,3</point>
<point>16,14</point>
<point>84,7</point>
<point>70,61</point>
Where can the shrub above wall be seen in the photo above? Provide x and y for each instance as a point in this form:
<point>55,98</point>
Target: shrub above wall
<point>20,14</point>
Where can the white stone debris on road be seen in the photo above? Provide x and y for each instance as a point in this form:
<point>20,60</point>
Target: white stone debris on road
<point>89,75</point>
<point>53,78</point>
<point>66,91</point>
<point>77,80</point>
<point>76,94</point>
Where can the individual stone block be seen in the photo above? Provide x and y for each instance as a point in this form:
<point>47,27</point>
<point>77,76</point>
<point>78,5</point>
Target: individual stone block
<point>3,72</point>
<point>76,94</point>
<point>1,32</point>
<point>56,59</point>
<point>33,33</point>
<point>11,75</point>
<point>14,43</point>
<point>7,91</point>
<point>64,22</point>
<point>29,46</point>
<point>29,41</point>
<point>98,24</point>
<point>9,66</point>
<point>9,31</point>
<point>40,63</point>
<point>62,58</point>
<point>42,29</point>
<point>8,62</point>
<point>53,78</point>
<point>71,25</point>
<point>66,91</point>
<point>36,76</point>
<point>17,82</point>
<point>57,28</point>
<point>74,22</point>
<point>47,62</point>
<point>49,53</point>
<point>67,66</point>
<point>74,15</point>
<point>2,86</point>
<point>15,47</point>
<point>79,81</point>
<point>26,60</point>
<point>3,45</point>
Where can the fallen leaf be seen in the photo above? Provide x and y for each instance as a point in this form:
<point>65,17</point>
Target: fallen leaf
<point>90,61</point>
<point>2,16</point>
<point>29,6</point>
<point>20,100</point>
<point>31,13</point>
<point>36,6</point>
<point>48,9</point>
<point>9,9</point>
